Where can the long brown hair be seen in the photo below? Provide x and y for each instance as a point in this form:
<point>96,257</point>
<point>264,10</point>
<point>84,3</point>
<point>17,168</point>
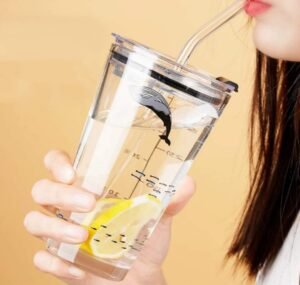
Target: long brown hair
<point>274,198</point>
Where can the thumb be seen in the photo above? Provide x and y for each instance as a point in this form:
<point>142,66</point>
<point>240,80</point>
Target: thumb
<point>182,197</point>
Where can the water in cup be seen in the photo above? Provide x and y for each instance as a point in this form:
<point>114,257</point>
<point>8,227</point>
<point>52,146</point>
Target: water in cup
<point>150,118</point>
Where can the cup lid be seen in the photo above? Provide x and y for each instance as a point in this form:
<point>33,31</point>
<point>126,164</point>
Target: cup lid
<point>184,78</point>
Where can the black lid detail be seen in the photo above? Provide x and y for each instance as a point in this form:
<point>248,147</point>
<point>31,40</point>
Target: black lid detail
<point>175,84</point>
<point>231,86</point>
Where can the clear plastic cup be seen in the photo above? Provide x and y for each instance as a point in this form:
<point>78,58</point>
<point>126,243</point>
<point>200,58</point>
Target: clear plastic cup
<point>149,120</point>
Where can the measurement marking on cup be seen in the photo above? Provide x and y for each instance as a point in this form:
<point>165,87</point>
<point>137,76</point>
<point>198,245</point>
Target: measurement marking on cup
<point>112,193</point>
<point>153,183</point>
<point>109,235</point>
<point>146,164</point>
<point>134,248</point>
<point>161,149</point>
<point>103,226</point>
<point>151,176</point>
<point>97,240</point>
<point>136,177</point>
<point>95,229</point>
<point>137,156</point>
<point>114,241</point>
<point>122,239</point>
<point>171,154</point>
<point>150,156</point>
<point>192,130</point>
<point>134,155</point>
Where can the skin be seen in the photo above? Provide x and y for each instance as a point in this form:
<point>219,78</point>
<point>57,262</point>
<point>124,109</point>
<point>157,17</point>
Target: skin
<point>276,33</point>
<point>60,193</point>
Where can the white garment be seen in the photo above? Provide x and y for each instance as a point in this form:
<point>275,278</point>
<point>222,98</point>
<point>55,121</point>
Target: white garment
<point>285,270</point>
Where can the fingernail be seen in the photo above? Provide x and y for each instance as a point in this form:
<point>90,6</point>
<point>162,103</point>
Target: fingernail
<point>84,202</point>
<point>76,272</point>
<point>75,234</point>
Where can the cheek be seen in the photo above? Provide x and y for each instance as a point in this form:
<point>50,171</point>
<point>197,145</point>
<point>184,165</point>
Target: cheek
<point>278,40</point>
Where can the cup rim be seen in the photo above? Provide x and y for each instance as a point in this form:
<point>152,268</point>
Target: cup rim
<point>192,72</point>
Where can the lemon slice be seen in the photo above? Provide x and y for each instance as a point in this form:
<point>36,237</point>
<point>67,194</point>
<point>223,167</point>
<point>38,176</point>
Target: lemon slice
<point>101,205</point>
<point>115,230</point>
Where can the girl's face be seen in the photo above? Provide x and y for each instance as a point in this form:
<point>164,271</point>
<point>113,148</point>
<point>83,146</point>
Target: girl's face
<point>277,27</point>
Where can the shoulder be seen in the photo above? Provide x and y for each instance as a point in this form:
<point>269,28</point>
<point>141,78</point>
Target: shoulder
<point>286,267</point>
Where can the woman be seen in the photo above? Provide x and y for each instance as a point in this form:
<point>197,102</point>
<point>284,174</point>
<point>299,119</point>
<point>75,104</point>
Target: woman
<point>268,239</point>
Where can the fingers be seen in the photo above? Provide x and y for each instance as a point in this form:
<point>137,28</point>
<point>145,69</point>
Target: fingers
<point>61,196</point>
<point>182,196</point>
<point>59,164</point>
<point>46,262</point>
<point>41,225</point>
<point>53,195</point>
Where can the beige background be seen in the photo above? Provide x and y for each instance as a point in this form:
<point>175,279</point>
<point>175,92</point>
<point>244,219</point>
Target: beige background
<point>51,57</point>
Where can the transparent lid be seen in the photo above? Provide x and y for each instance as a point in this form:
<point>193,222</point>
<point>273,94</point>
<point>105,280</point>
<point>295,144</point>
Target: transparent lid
<point>165,69</point>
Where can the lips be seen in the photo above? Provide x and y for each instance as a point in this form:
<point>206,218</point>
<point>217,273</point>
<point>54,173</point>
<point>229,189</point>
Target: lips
<point>256,7</point>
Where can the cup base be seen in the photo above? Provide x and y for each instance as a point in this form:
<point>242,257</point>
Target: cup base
<point>93,265</point>
<point>101,269</point>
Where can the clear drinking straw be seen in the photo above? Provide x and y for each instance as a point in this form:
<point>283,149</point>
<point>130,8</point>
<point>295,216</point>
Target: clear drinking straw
<point>209,28</point>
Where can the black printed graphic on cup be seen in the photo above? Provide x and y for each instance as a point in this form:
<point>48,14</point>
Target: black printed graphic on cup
<point>153,100</point>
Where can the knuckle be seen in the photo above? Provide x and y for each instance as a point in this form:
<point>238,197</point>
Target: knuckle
<point>63,196</point>
<point>55,228</point>
<point>58,196</point>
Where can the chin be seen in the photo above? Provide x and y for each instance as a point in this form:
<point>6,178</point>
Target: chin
<point>276,43</point>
